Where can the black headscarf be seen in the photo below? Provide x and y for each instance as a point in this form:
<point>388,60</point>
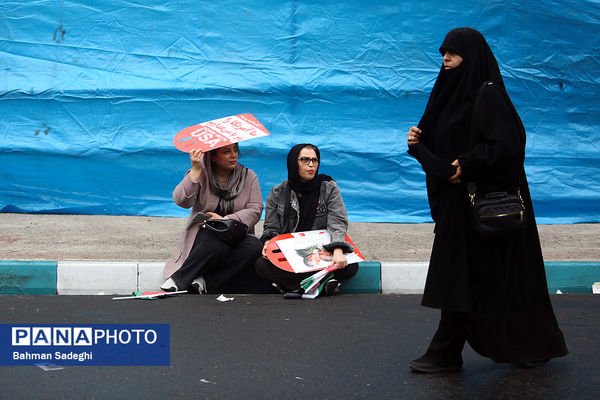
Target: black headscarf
<point>310,190</point>
<point>446,121</point>
<point>445,124</point>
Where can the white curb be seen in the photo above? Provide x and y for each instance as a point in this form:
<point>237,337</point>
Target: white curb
<point>121,278</point>
<point>150,276</point>
<point>85,277</point>
<point>107,277</point>
<point>403,277</point>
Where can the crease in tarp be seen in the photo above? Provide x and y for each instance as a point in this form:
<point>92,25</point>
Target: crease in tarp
<point>108,95</point>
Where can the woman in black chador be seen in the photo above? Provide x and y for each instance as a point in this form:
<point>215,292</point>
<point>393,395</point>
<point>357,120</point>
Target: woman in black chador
<point>492,291</point>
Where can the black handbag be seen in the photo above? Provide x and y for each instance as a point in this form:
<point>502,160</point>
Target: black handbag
<point>496,213</point>
<point>493,213</point>
<point>230,230</point>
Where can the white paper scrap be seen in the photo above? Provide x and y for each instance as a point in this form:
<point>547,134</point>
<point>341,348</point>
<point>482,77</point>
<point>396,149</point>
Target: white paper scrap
<point>50,367</point>
<point>596,288</point>
<point>558,292</point>
<point>222,298</point>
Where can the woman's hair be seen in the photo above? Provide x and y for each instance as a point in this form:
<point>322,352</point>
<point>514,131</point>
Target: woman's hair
<point>236,147</point>
<point>209,156</point>
<point>313,147</point>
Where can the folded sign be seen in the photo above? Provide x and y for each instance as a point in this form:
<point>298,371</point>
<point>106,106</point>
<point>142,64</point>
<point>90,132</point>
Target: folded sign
<point>219,132</point>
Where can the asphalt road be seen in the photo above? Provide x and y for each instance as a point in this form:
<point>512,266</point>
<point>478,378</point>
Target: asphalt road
<point>265,347</point>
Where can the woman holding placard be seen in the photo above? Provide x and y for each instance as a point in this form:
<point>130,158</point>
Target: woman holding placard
<point>306,201</point>
<point>216,187</point>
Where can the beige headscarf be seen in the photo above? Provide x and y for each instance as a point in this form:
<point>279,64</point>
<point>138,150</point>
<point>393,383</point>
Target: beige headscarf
<point>229,190</point>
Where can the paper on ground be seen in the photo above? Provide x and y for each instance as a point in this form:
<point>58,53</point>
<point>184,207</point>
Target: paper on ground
<point>149,295</point>
<point>50,367</point>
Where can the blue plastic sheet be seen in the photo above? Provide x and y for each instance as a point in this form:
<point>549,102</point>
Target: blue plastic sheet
<point>93,92</point>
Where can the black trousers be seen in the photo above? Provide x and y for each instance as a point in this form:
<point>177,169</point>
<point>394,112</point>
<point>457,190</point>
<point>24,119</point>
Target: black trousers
<point>290,281</point>
<point>216,261</point>
<point>449,340</point>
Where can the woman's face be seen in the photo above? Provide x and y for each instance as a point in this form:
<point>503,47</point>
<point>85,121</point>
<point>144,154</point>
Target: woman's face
<point>314,259</point>
<point>307,171</point>
<point>451,60</point>
<point>324,255</point>
<point>225,158</point>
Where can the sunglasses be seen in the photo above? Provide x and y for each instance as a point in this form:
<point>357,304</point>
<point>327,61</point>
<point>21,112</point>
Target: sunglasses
<point>306,160</point>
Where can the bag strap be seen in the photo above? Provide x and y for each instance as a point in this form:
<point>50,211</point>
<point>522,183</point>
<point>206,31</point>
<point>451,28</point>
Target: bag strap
<point>472,190</point>
<point>473,136</point>
<point>219,225</point>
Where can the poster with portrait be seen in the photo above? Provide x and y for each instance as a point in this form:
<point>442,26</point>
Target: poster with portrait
<point>305,252</point>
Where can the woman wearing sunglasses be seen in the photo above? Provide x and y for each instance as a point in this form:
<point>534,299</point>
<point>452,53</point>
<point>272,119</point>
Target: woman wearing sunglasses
<point>306,201</point>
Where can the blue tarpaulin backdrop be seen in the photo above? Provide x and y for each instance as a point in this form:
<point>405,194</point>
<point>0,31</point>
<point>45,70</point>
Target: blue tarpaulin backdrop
<point>93,92</point>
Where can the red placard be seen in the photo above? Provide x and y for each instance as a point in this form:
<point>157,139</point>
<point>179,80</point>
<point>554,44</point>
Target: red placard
<point>275,255</point>
<point>219,132</point>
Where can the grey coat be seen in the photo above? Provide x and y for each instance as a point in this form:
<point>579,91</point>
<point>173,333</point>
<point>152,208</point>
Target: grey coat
<point>247,208</point>
<point>330,214</point>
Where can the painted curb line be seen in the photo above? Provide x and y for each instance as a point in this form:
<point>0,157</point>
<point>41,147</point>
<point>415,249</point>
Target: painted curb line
<point>28,277</point>
<point>122,278</point>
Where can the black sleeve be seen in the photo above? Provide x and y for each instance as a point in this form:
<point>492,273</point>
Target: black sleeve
<point>272,225</point>
<point>431,164</point>
<point>500,146</point>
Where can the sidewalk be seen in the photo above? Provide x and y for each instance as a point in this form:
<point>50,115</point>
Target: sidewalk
<point>110,245</point>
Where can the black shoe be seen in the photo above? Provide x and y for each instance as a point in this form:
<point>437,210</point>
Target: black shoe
<point>196,288</point>
<point>198,285</point>
<point>332,286</point>
<point>424,365</point>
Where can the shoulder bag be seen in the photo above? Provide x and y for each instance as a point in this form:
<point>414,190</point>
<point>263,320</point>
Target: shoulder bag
<point>494,213</point>
<point>230,230</point>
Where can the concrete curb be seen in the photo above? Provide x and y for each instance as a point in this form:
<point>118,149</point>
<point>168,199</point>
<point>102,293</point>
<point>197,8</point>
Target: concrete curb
<point>28,277</point>
<point>122,278</point>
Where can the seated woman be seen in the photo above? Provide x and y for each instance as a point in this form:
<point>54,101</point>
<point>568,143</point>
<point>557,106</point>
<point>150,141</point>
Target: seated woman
<point>216,187</point>
<point>306,201</point>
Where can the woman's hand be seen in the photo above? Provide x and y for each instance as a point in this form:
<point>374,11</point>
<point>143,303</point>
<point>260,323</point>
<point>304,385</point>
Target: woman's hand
<point>197,165</point>
<point>413,136</point>
<point>264,250</point>
<point>215,215</point>
<point>339,259</point>
<point>454,179</point>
